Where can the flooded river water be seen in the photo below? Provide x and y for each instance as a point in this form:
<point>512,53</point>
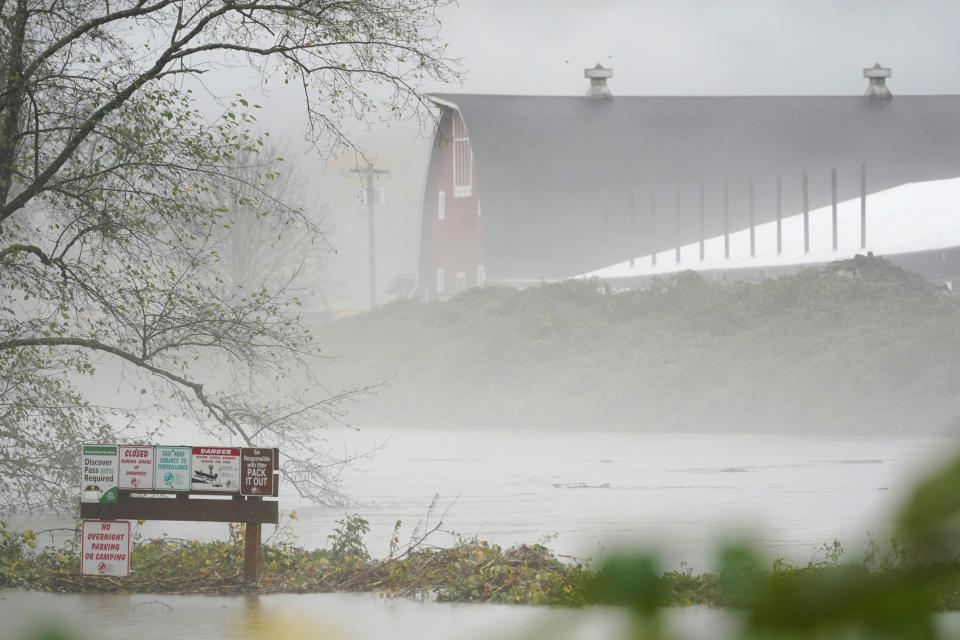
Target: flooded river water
<point>588,492</point>
<point>591,491</point>
<point>322,617</point>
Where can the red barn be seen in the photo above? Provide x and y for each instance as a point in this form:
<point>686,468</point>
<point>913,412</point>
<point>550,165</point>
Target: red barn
<point>522,189</point>
<point>451,242</point>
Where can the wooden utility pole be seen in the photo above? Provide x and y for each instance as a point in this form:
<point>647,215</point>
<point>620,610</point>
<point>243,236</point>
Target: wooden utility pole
<point>370,173</point>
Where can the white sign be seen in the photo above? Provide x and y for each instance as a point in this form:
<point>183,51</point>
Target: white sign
<point>136,468</point>
<point>172,468</point>
<point>216,469</point>
<point>105,547</point>
<point>99,470</point>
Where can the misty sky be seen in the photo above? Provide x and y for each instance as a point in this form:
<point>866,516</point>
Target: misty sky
<point>693,47</point>
<point>656,47</point>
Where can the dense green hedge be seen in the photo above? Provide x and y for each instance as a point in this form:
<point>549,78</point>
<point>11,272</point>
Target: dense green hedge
<point>858,345</point>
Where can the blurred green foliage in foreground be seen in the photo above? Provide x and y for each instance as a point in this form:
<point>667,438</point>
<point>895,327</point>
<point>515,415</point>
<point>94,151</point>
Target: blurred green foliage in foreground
<point>890,594</point>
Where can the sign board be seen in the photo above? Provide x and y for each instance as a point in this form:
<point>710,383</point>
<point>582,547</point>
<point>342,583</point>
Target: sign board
<point>172,468</point>
<point>256,472</point>
<point>216,469</point>
<point>105,547</point>
<point>99,473</point>
<point>144,469</point>
<point>136,468</point>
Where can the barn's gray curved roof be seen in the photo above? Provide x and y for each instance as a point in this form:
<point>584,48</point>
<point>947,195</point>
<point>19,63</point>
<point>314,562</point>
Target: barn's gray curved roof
<point>557,175</point>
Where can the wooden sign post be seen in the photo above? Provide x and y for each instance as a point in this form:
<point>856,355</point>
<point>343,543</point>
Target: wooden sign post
<point>247,475</point>
<point>256,480</point>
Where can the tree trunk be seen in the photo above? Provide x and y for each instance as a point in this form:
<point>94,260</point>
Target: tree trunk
<point>11,98</point>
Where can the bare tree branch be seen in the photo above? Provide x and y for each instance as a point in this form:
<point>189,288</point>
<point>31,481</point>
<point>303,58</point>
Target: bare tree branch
<point>122,207</point>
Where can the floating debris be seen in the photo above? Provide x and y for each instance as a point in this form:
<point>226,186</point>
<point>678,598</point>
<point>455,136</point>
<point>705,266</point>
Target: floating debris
<point>580,485</point>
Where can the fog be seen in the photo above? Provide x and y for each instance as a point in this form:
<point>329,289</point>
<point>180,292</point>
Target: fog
<point>571,359</point>
<point>684,48</point>
<point>668,411</point>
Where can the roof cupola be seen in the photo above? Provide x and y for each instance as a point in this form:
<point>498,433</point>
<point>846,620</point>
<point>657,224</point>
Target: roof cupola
<point>598,81</point>
<point>878,85</point>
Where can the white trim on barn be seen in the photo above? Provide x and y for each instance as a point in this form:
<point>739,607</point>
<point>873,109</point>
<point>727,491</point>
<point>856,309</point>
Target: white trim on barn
<point>462,159</point>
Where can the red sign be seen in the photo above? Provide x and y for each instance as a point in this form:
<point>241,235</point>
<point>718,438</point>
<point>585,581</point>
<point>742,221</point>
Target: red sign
<point>136,468</point>
<point>105,548</point>
<point>256,472</point>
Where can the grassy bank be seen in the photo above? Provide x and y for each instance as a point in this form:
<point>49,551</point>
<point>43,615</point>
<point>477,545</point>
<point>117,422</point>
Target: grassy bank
<point>470,571</point>
<point>857,346</point>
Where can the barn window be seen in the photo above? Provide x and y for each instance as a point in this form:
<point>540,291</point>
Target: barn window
<point>440,287</point>
<point>462,160</point>
<point>461,281</point>
<point>441,205</point>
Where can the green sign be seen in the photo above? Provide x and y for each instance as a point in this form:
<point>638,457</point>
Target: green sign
<point>172,468</point>
<point>99,470</point>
